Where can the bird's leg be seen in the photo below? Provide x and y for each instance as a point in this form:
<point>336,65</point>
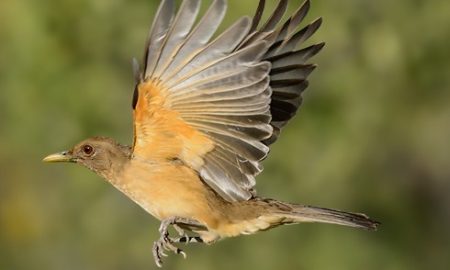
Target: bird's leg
<point>167,243</point>
<point>188,239</point>
<point>184,237</point>
<point>181,232</point>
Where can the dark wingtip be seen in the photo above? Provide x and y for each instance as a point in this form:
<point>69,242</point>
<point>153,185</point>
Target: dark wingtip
<point>258,14</point>
<point>307,3</point>
<point>318,21</point>
<point>317,48</point>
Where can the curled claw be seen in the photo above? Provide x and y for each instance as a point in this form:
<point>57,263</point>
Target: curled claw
<point>164,254</point>
<point>157,253</point>
<point>166,243</point>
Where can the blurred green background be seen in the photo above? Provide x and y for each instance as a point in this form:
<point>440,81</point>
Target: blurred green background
<point>372,136</point>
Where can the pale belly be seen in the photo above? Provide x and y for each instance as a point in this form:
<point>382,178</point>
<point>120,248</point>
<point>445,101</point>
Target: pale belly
<point>167,190</point>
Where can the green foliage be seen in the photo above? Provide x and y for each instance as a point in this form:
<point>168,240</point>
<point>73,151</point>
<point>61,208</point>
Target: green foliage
<point>372,136</point>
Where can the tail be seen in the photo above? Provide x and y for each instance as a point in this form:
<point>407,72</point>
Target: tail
<point>304,213</point>
<point>294,213</point>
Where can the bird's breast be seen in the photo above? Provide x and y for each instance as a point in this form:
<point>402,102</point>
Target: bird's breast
<point>165,189</point>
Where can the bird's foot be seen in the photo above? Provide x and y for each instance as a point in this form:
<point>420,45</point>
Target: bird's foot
<point>166,243</point>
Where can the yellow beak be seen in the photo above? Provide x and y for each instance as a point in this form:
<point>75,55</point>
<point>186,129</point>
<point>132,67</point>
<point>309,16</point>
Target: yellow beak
<point>59,157</point>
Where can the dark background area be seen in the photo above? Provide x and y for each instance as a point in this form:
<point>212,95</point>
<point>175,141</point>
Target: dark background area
<point>373,136</point>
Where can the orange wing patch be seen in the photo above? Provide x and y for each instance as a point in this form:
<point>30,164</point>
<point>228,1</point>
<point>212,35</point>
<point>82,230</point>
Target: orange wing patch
<point>161,134</point>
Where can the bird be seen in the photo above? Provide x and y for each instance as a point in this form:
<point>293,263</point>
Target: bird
<point>206,109</point>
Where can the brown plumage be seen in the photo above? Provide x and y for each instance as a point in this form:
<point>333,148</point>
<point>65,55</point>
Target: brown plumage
<point>205,114</point>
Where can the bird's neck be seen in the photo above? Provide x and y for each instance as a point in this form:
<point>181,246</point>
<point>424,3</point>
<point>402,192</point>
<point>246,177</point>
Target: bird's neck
<point>119,158</point>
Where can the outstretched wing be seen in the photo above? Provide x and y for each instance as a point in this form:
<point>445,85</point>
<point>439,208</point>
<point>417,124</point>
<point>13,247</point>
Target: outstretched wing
<point>217,105</point>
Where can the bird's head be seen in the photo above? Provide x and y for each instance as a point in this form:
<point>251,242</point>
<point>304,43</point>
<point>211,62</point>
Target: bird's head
<point>102,155</point>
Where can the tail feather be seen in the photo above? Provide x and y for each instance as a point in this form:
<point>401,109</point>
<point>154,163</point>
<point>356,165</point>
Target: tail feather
<point>288,213</point>
<point>303,213</point>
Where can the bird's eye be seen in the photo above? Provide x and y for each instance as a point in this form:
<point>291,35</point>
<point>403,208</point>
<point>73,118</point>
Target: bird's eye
<point>88,150</point>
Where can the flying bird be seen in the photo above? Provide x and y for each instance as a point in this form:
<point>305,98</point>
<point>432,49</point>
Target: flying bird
<point>206,111</point>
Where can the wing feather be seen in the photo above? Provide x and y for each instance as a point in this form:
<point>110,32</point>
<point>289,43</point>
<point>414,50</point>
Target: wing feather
<point>270,25</point>
<point>219,104</point>
<point>220,47</point>
<point>177,33</point>
<point>246,56</point>
<point>201,34</point>
<point>290,43</point>
<point>228,93</point>
<point>157,35</point>
<point>258,120</point>
<point>295,57</point>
